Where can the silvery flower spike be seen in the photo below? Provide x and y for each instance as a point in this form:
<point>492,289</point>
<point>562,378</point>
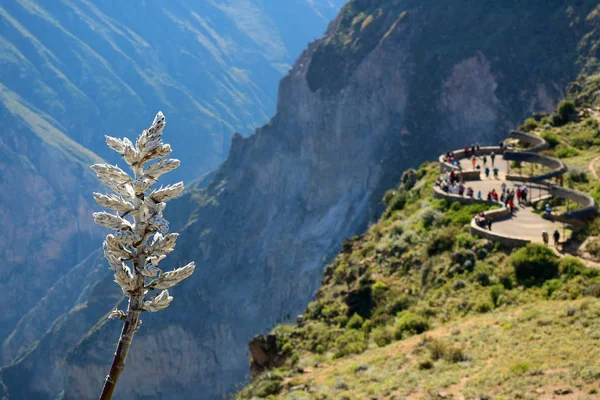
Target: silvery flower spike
<point>136,216</point>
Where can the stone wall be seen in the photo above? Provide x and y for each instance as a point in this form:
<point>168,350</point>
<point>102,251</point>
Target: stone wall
<point>438,193</point>
<point>537,143</point>
<point>589,208</point>
<point>557,166</point>
<point>460,155</point>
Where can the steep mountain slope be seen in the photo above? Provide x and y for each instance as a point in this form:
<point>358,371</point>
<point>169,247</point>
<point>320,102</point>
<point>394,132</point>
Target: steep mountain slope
<point>45,205</point>
<point>72,71</point>
<point>211,66</point>
<point>493,322</point>
<point>391,84</point>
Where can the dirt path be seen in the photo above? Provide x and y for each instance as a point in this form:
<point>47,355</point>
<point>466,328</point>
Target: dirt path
<point>595,167</point>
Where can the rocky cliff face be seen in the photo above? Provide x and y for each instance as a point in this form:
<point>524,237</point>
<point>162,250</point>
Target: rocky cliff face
<point>390,85</point>
<point>73,71</point>
<point>45,207</point>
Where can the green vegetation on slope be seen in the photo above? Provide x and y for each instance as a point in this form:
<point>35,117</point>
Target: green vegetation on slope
<point>418,271</point>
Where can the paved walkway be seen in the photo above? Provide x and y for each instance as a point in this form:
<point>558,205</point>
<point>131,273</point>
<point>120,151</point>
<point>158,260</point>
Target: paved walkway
<point>525,224</point>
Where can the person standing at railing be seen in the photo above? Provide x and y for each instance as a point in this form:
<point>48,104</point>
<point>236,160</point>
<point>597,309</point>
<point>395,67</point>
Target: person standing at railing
<point>556,236</point>
<point>493,158</point>
<point>545,237</point>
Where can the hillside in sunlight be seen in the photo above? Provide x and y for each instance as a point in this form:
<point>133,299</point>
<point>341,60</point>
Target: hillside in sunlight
<point>101,67</point>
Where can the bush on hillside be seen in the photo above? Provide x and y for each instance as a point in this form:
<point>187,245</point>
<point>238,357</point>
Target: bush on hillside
<point>409,323</point>
<point>563,151</point>
<point>582,141</point>
<point>465,241</point>
<point>530,125</point>
<point>551,138</point>
<point>409,178</point>
<point>550,287</point>
<point>534,262</point>
<point>566,109</point>
<point>378,290</point>
<point>356,322</point>
<point>577,175</point>
<point>569,267</point>
<point>351,342</point>
<point>496,292</point>
<point>382,336</point>
<point>593,247</point>
<point>441,240</point>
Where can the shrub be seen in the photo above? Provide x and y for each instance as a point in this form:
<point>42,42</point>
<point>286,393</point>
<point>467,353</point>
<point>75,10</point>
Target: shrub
<point>461,215</point>
<point>425,364</point>
<point>459,284</point>
<point>441,240</point>
<point>563,151</point>
<point>356,322</point>
<point>381,336</point>
<point>409,323</point>
<point>367,326</point>
<point>550,287</point>
<point>409,178</point>
<point>530,125</point>
<point>388,196</point>
<point>483,307</point>
<point>593,247</point>
<point>534,262</point>
<point>395,201</point>
<point>351,342</point>
<point>465,241</point>
<point>495,292</point>
<point>569,267</point>
<point>582,141</point>
<point>482,278</point>
<point>520,368</point>
<point>566,109</point>
<point>267,388</point>
<point>551,138</point>
<point>378,290</point>
<point>287,349</point>
<point>440,350</point>
<point>577,175</point>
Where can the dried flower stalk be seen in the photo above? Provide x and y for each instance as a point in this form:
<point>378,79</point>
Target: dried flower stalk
<point>134,260</point>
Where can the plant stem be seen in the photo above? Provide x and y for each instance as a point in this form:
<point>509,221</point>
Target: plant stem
<point>129,329</point>
<point>134,308</point>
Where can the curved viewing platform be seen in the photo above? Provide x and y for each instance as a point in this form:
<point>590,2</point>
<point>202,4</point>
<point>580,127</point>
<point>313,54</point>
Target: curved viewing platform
<point>477,174</point>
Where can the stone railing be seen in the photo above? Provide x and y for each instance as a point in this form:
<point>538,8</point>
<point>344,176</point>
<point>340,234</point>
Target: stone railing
<point>537,143</point>
<point>438,193</point>
<point>588,207</point>
<point>460,155</point>
<point>497,215</point>
<point>557,167</point>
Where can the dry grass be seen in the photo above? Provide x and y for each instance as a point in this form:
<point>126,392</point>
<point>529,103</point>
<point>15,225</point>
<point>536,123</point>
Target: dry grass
<point>530,352</point>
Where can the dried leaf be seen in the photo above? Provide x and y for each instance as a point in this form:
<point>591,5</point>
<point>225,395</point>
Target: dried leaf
<point>111,221</point>
<point>166,193</point>
<point>162,244</point>
<point>159,302</point>
<point>113,202</point>
<point>162,167</point>
<point>172,278</point>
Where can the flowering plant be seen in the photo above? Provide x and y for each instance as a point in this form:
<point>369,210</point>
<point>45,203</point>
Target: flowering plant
<point>136,218</point>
